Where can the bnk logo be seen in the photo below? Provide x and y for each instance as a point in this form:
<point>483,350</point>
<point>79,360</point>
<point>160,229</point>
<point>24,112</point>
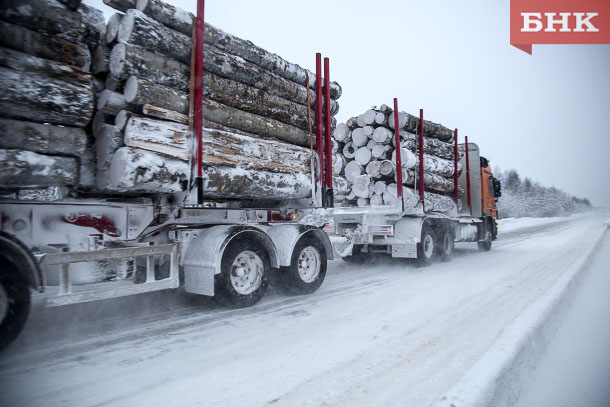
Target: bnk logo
<point>559,22</point>
<point>532,22</point>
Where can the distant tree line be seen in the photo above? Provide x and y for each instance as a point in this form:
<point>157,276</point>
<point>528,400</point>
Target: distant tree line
<point>522,197</point>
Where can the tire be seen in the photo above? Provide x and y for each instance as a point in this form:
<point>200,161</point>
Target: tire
<point>243,279</point>
<point>445,245</point>
<point>426,251</point>
<point>307,268</point>
<point>485,244</point>
<point>14,304</point>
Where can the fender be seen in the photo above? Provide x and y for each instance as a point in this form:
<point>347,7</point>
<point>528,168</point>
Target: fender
<point>203,256</point>
<point>285,237</point>
<point>16,253</point>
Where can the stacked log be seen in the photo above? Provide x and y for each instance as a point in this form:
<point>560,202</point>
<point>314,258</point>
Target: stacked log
<point>47,98</point>
<point>256,141</point>
<point>366,156</point>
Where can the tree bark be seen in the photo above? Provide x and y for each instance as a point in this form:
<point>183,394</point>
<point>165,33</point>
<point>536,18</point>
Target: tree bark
<point>43,16</point>
<point>44,46</point>
<point>127,60</point>
<point>39,138</point>
<point>255,124</point>
<point>25,63</point>
<point>94,26</point>
<point>72,4</point>
<point>121,119</point>
<point>138,29</point>
<point>99,120</point>
<point>27,169</point>
<point>218,147</point>
<point>432,146</point>
<point>410,123</point>
<point>338,164</point>
<point>168,15</point>
<point>161,113</point>
<point>109,140</point>
<point>41,98</point>
<point>101,58</point>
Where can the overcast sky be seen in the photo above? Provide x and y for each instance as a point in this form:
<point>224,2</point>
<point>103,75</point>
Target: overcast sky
<point>545,115</point>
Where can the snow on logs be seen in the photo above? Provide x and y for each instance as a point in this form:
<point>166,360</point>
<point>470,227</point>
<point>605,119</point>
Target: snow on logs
<point>108,93</point>
<point>366,158</point>
<point>48,95</point>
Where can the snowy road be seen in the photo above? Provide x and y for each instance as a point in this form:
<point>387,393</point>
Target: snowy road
<point>381,334</point>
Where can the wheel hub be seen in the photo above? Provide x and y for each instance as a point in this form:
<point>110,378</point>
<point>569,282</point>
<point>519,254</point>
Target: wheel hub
<point>247,272</point>
<point>428,246</point>
<point>309,264</point>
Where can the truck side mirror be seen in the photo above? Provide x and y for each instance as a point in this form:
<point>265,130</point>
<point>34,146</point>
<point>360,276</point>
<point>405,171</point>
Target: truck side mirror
<point>497,188</point>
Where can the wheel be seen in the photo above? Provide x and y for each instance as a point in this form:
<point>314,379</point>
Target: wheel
<point>485,244</point>
<point>14,304</point>
<point>307,268</point>
<point>426,247</point>
<point>243,279</point>
<point>445,246</point>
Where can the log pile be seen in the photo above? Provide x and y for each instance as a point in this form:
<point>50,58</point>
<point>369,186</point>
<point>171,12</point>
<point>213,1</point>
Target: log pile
<point>47,98</point>
<point>364,150</point>
<point>256,136</point>
<point>113,100</point>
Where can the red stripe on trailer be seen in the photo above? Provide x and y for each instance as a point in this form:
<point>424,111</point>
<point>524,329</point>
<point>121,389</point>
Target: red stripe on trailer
<point>467,173</point>
<point>455,166</point>
<point>421,154</point>
<point>319,142</point>
<point>398,158</point>
<point>199,97</point>
<point>327,140</point>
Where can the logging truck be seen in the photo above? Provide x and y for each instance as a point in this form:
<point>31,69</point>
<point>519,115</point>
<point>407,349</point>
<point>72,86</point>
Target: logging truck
<point>222,211</point>
<point>411,229</point>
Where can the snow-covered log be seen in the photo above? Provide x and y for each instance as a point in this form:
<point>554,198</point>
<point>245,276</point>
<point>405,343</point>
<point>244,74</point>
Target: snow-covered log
<point>134,170</point>
<point>100,60</point>
<point>48,17</point>
<point>432,146</point>
<point>27,169</point>
<point>218,147</point>
<point>338,164</point>
<point>341,132</point>
<point>109,140</point>
<point>161,113</point>
<point>372,169</point>
<point>113,102</point>
<point>44,46</point>
<point>254,124</point>
<point>42,138</point>
<point>41,98</point>
<point>366,118</point>
<point>94,26</point>
<point>363,156</point>
<point>140,91</point>
<point>176,19</point>
<point>352,170</point>
<point>127,60</point>
<point>112,27</point>
<point>410,123</point>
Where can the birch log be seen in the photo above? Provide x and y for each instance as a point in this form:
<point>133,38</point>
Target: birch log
<point>410,123</point>
<point>41,98</point>
<point>133,170</point>
<point>112,103</point>
<point>44,46</point>
<point>27,169</point>
<point>177,20</point>
<point>432,146</point>
<point>161,113</point>
<point>140,91</point>
<point>25,63</point>
<point>109,140</point>
<point>44,16</point>
<point>218,147</point>
<point>93,24</point>
<point>40,138</point>
<point>341,132</point>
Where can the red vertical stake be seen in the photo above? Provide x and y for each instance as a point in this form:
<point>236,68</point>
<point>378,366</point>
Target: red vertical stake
<point>467,173</point>
<point>398,157</point>
<point>421,154</point>
<point>319,141</point>
<point>328,133</point>
<point>455,166</point>
<point>198,119</point>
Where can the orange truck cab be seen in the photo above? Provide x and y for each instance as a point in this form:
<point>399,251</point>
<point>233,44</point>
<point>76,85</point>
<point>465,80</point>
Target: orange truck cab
<point>491,190</point>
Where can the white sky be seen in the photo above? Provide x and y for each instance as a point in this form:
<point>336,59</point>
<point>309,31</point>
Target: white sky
<point>544,115</point>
